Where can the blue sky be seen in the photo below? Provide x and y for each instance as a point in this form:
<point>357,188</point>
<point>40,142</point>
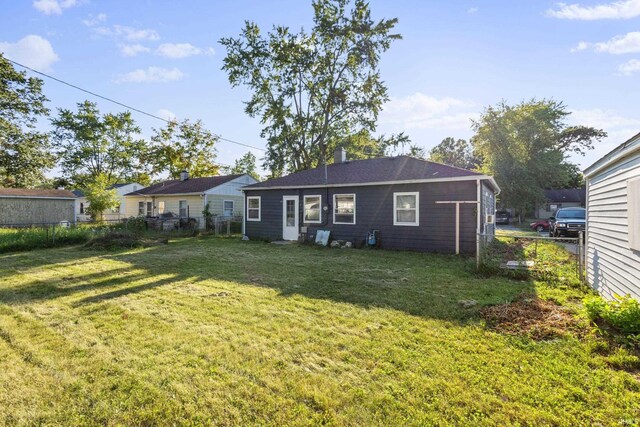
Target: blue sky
<point>456,58</point>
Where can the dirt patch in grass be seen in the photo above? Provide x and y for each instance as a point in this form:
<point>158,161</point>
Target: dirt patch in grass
<point>117,240</point>
<point>533,317</point>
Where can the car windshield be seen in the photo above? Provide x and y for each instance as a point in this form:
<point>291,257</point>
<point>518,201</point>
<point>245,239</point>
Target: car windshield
<point>572,214</point>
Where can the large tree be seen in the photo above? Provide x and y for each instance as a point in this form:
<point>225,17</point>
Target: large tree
<point>91,144</point>
<point>525,148</point>
<point>182,146</point>
<point>455,152</point>
<point>312,90</point>
<point>245,164</point>
<point>24,152</point>
<point>100,196</point>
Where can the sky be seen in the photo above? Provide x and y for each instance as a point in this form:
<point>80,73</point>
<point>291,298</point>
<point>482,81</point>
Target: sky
<point>455,59</point>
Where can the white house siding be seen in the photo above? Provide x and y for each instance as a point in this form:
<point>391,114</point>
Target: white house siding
<point>612,266</point>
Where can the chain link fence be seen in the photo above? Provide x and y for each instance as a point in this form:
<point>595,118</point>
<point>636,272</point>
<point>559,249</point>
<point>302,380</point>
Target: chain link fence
<point>524,255</point>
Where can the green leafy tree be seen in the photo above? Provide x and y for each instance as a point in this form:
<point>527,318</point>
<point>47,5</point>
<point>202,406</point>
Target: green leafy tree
<point>455,152</point>
<point>418,152</point>
<point>525,146</point>
<point>312,89</point>
<point>24,153</point>
<point>363,145</point>
<point>245,164</point>
<point>91,145</point>
<point>100,198</point>
<point>184,146</point>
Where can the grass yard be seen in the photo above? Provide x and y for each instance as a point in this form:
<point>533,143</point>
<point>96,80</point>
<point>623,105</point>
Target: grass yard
<point>224,332</point>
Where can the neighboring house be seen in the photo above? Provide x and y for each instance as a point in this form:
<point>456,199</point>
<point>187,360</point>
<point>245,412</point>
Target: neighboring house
<point>414,204</point>
<point>613,221</point>
<point>109,215</point>
<point>561,198</point>
<point>187,197</point>
<point>21,206</point>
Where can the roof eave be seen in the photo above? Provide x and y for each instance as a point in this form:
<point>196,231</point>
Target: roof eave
<point>615,155</point>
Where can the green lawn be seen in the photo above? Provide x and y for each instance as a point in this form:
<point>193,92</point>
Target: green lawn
<point>224,332</point>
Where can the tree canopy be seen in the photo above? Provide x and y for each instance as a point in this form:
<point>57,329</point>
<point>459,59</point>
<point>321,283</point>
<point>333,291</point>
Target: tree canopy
<point>182,146</point>
<point>314,89</point>
<point>91,144</point>
<point>455,152</point>
<point>24,152</point>
<point>525,148</point>
<point>245,164</point>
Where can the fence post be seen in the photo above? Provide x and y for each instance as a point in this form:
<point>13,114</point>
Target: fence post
<point>478,251</point>
<point>228,227</point>
<point>53,233</point>
<point>581,256</point>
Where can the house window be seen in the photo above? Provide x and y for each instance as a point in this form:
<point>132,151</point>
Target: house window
<point>82,208</point>
<point>312,209</point>
<point>160,208</point>
<point>406,209</point>
<point>182,204</point>
<point>344,208</point>
<point>253,208</point>
<point>140,208</point>
<point>227,208</point>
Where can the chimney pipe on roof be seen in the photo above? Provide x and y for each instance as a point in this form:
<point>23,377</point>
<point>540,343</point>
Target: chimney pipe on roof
<point>340,155</point>
<point>184,175</point>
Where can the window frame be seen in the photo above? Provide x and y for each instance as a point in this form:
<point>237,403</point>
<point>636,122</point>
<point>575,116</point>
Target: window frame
<point>304,209</point>
<point>233,207</point>
<point>142,208</point>
<point>416,223</point>
<point>186,208</point>
<point>161,207</point>
<point>335,207</point>
<point>259,208</point>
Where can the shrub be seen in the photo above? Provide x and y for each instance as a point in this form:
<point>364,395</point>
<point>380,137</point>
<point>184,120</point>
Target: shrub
<point>623,313</point>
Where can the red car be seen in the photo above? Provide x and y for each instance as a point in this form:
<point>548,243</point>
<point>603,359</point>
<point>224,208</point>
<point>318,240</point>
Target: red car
<point>540,225</point>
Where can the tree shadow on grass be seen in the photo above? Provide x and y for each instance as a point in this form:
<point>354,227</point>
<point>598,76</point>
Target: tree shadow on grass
<point>425,285</point>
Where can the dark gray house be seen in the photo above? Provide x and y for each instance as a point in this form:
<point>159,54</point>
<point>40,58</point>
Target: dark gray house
<point>560,198</point>
<point>414,204</point>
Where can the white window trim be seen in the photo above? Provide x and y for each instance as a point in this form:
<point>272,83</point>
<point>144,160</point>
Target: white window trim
<point>304,209</point>
<point>259,198</point>
<point>335,206</point>
<point>417,209</point>
<point>233,206</point>
<point>142,208</point>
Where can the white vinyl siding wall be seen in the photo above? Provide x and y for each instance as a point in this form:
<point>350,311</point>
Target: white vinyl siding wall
<point>612,266</point>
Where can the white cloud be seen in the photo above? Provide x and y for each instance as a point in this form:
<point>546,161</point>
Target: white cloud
<point>629,67</point>
<point>181,50</point>
<point>472,10</point>
<point>166,114</point>
<point>150,75</point>
<point>32,51</point>
<point>127,33</point>
<point>133,49</point>
<point>420,111</point>
<point>616,10</point>
<point>92,21</point>
<point>53,7</point>
<point>628,43</point>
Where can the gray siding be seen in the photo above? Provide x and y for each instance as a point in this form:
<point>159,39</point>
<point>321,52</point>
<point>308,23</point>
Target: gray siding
<point>374,210</point>
<point>612,267</point>
<point>26,211</point>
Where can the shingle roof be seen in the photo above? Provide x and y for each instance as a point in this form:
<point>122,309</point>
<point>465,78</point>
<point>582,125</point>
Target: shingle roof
<point>189,186</point>
<point>567,195</point>
<point>384,169</point>
<point>28,192</point>
<point>78,193</point>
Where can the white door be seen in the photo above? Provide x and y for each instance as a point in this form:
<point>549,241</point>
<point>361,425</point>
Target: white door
<point>290,218</point>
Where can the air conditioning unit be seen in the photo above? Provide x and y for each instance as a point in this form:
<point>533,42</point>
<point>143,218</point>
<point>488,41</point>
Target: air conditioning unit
<point>490,219</point>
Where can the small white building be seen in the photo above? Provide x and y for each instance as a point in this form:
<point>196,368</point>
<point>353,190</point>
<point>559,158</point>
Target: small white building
<point>112,214</point>
<point>613,221</point>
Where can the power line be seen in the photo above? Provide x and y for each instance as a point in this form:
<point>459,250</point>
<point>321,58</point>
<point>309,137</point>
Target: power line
<point>120,103</point>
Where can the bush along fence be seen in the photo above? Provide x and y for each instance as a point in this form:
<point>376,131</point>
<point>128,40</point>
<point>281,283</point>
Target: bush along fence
<point>20,237</point>
<point>524,256</point>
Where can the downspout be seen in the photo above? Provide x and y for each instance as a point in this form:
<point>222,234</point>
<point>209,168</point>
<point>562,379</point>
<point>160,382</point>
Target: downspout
<point>479,205</point>
<point>585,248</point>
<point>244,212</point>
